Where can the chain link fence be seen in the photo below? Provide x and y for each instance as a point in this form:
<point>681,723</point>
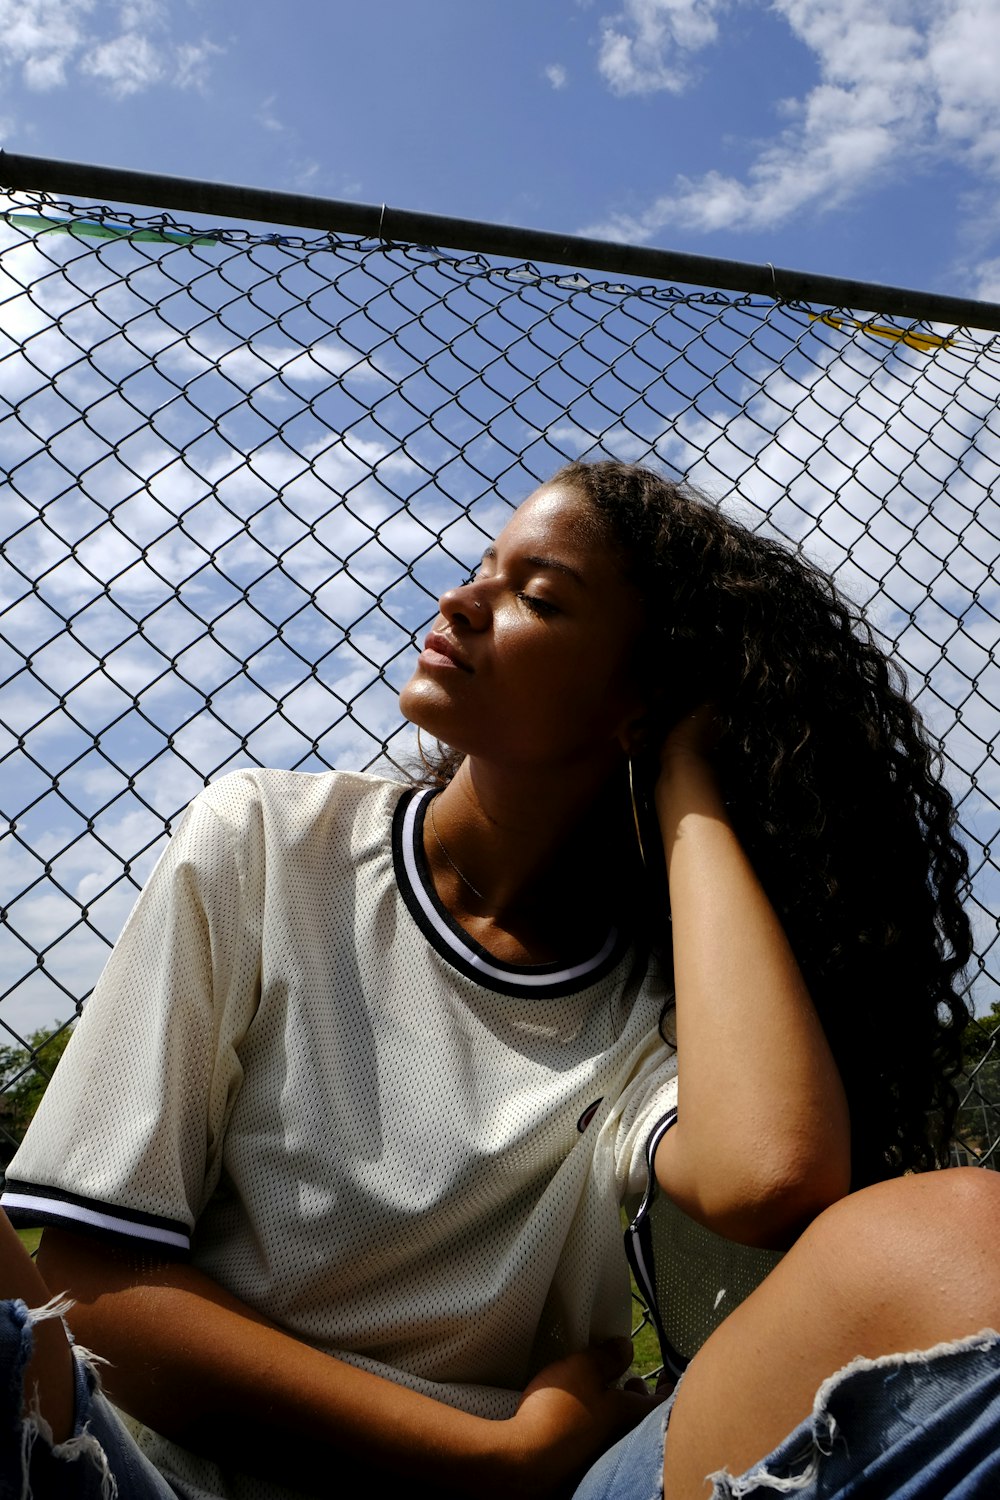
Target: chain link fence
<point>241,466</point>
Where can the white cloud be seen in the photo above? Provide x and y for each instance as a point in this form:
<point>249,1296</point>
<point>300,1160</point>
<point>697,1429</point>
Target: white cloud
<point>41,37</point>
<point>646,47</point>
<point>898,78</point>
<point>192,63</point>
<point>266,116</point>
<point>307,173</point>
<point>256,364</point>
<point>302,170</point>
<point>48,40</point>
<point>962,54</point>
<point>128,64</point>
<point>987,286</point>
<point>557,75</point>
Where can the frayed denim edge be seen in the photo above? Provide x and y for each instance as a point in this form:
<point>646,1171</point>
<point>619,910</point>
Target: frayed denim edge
<point>728,1486</point>
<point>82,1446</point>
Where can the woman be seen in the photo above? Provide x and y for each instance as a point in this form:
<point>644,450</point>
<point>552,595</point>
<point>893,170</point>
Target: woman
<point>423,1178</point>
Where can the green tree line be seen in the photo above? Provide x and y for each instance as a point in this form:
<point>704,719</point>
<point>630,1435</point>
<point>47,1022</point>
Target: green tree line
<point>978,1125</point>
<point>25,1070</point>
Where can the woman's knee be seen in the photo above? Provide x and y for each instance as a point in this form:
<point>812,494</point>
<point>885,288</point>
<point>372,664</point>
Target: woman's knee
<point>930,1242</point>
<point>958,1204</point>
<point>904,1265</point>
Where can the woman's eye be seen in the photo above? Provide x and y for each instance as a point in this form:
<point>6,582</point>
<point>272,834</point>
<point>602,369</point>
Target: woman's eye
<point>540,606</point>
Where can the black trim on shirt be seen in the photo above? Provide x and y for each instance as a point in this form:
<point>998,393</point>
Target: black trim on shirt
<point>29,1204</point>
<point>462,952</point>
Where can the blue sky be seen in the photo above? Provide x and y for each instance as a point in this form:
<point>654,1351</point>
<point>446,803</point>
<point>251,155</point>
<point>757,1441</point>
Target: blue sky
<point>837,136</point>
<point>847,138</point>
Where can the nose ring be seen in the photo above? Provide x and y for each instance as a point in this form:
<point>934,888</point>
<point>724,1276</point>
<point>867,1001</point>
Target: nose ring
<point>476,604</point>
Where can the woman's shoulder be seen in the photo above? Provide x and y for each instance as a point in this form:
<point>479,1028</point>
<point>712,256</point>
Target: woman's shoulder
<point>289,805</point>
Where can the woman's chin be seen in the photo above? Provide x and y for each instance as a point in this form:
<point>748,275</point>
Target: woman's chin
<point>417,705</point>
<point>412,706</point>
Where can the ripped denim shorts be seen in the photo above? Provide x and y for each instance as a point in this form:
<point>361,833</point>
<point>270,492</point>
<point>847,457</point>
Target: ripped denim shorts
<point>98,1462</point>
<point>917,1426</point>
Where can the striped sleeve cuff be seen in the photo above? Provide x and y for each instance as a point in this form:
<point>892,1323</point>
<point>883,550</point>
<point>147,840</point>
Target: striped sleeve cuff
<point>28,1204</point>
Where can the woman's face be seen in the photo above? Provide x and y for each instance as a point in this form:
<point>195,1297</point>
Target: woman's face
<point>529,662</point>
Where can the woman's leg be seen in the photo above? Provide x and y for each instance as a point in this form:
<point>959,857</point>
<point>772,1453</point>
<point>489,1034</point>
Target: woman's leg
<point>900,1266</point>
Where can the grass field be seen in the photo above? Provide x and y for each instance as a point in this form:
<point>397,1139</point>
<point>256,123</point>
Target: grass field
<point>646,1350</point>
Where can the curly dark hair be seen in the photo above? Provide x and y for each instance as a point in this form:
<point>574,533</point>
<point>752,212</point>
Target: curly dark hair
<point>833,785</point>
<point>834,788</point>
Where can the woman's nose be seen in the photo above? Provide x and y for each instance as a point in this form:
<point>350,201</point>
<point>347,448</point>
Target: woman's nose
<point>465,603</point>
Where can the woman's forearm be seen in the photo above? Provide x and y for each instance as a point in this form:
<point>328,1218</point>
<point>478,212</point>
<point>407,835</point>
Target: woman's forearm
<point>208,1372</point>
<point>762,1141</point>
<point>48,1377</point>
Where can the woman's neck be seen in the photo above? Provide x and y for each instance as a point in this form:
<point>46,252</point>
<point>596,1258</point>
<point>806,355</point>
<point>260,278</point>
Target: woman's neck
<point>522,863</point>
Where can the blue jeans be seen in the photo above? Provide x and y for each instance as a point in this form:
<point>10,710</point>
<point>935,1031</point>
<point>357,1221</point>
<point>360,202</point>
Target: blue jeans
<point>100,1460</point>
<point>919,1426</point>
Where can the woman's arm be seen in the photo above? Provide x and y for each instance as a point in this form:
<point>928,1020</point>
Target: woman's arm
<point>762,1141</point>
<point>48,1377</point>
<point>210,1373</point>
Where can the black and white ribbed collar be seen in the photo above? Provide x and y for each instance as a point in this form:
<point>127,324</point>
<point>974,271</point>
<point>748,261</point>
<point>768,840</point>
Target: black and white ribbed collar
<point>453,943</point>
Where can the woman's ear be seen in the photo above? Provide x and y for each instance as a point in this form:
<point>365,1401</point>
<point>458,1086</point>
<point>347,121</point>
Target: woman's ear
<point>633,735</point>
<point>643,725</point>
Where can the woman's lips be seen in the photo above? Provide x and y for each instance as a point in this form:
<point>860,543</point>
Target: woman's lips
<point>440,652</point>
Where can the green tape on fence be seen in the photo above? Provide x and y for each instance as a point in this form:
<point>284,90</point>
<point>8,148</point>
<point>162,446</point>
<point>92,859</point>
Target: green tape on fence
<point>96,230</point>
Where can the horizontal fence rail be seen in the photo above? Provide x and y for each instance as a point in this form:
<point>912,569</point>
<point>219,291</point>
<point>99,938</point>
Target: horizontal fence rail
<point>240,466</point>
<point>384,223</point>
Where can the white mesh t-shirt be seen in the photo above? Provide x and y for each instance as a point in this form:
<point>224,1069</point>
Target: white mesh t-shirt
<point>299,1070</point>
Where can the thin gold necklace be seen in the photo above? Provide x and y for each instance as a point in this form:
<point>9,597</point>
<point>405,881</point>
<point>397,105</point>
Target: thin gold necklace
<point>463,878</point>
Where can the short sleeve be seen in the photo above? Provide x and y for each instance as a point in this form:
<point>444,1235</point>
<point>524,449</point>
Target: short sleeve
<point>128,1138</point>
<point>649,1098</point>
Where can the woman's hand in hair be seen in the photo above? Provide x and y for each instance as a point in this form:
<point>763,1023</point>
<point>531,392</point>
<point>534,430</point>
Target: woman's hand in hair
<point>695,734</point>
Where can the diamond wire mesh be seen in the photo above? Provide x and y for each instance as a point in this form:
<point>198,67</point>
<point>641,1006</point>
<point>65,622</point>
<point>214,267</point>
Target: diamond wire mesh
<point>241,467</point>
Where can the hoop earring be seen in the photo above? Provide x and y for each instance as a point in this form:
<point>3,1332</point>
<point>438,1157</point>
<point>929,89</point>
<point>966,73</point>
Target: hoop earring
<point>635,813</point>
